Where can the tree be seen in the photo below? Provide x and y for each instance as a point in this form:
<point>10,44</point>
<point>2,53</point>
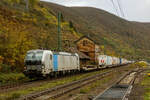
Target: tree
<point>27,4</point>
<point>71,24</point>
<point>13,1</point>
<point>33,2</point>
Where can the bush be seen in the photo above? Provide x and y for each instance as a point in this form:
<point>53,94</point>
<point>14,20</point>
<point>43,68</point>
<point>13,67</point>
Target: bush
<point>5,68</point>
<point>15,95</point>
<point>141,64</point>
<point>12,78</point>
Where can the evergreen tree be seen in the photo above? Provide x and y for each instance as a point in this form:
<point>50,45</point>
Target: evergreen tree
<point>70,24</point>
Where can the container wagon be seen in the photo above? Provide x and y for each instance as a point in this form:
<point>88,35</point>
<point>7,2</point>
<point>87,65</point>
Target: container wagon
<point>102,60</point>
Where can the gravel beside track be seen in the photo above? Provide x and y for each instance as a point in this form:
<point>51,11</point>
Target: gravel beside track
<point>121,88</point>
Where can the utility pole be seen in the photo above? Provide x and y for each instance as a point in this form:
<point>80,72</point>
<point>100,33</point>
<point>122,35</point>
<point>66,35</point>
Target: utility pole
<point>27,4</point>
<point>59,32</point>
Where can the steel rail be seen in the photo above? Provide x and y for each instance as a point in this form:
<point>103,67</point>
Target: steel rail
<point>89,79</point>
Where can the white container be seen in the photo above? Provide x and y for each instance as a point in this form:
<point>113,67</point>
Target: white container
<point>109,60</point>
<point>102,59</point>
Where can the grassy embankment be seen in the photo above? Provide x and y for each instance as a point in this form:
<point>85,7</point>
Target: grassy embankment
<point>145,81</point>
<point>146,85</point>
<point>22,30</point>
<point>7,78</point>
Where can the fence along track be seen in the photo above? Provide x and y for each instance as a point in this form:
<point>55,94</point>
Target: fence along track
<point>6,87</point>
<point>119,91</point>
<point>12,85</point>
<point>69,86</point>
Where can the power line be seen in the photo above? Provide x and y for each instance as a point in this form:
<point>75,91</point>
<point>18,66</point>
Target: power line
<point>120,8</point>
<point>124,11</point>
<point>27,4</point>
<point>114,6</point>
<point>108,2</point>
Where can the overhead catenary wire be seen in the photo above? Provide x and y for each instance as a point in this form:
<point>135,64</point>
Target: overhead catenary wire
<point>114,6</point>
<point>120,8</point>
<point>117,6</point>
<point>124,11</point>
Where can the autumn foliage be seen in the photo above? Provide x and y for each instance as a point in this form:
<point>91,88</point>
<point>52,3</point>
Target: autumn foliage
<point>33,25</point>
<point>22,30</point>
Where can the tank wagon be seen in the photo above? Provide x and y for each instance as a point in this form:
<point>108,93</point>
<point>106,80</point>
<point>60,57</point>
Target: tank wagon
<point>47,62</point>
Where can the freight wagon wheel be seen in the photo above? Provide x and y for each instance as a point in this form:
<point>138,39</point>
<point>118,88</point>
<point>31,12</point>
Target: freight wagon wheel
<point>60,73</point>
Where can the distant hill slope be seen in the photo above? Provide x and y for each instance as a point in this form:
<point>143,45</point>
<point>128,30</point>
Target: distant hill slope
<point>125,37</point>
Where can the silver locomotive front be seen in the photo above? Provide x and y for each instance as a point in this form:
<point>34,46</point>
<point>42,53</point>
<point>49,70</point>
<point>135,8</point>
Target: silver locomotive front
<point>33,63</point>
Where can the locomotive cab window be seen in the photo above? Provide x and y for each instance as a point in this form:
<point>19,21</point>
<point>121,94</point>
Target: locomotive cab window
<point>34,55</point>
<point>34,58</point>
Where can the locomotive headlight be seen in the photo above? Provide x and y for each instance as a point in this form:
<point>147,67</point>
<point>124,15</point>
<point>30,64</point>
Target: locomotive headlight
<point>25,68</point>
<point>42,66</point>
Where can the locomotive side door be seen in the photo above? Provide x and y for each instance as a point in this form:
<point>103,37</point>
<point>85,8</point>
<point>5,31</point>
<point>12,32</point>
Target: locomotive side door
<point>51,63</point>
<point>48,63</point>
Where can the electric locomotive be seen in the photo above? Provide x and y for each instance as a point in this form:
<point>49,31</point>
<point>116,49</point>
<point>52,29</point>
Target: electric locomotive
<point>46,62</point>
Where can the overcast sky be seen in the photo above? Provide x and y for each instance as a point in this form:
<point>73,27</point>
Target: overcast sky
<point>134,10</point>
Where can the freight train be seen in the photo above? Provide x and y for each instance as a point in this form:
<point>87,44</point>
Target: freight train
<point>108,61</point>
<point>46,62</point>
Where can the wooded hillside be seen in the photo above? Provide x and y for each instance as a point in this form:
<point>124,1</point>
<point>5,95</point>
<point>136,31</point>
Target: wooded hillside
<point>125,38</point>
<point>23,28</point>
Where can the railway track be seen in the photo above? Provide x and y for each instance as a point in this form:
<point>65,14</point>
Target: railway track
<point>60,90</point>
<point>121,88</point>
<point>7,87</point>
